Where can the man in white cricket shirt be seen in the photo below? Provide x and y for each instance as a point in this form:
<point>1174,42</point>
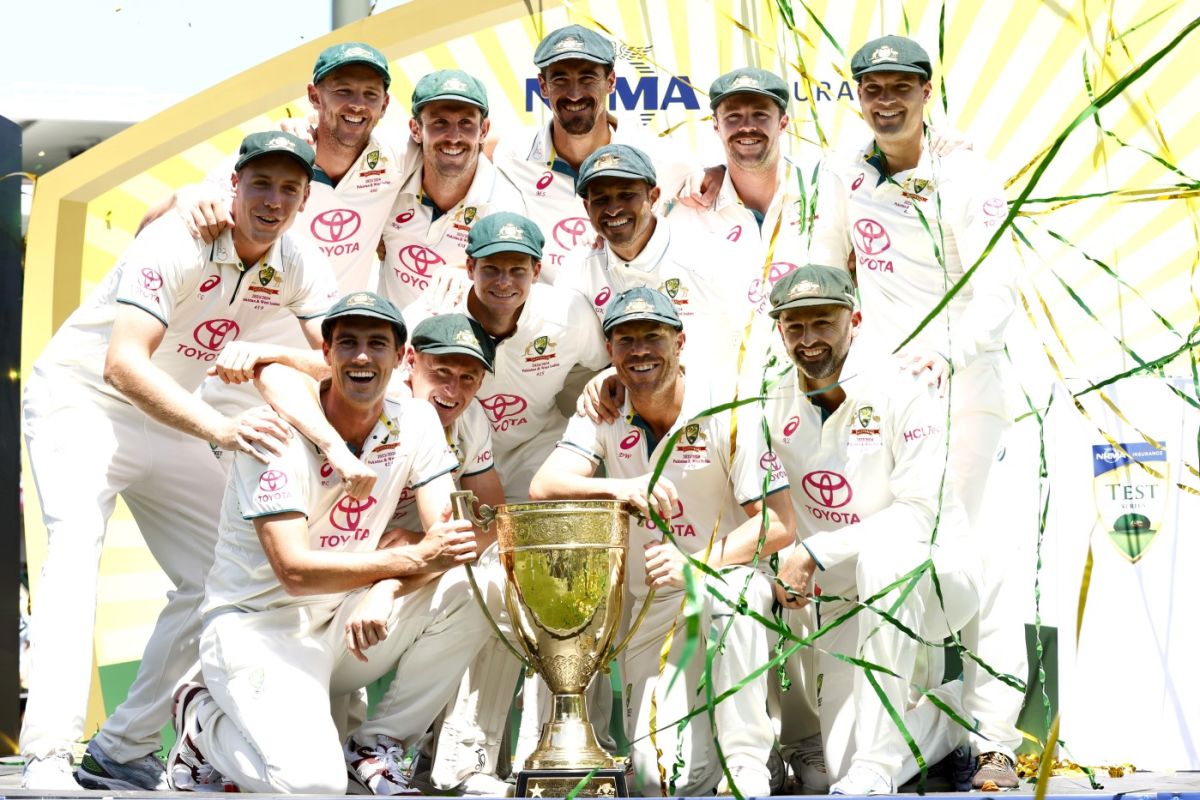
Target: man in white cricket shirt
<point>453,187</point>
<point>867,462</point>
<point>618,185</point>
<point>304,601</point>
<point>109,410</point>
<point>724,507</point>
<point>915,222</point>
<point>576,77</point>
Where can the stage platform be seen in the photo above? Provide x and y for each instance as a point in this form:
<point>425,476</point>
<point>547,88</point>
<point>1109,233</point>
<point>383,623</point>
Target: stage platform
<point>1137,786</point>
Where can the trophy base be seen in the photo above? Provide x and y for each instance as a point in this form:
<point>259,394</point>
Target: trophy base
<point>561,782</point>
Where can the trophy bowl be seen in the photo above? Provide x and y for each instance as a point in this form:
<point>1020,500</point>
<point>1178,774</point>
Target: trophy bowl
<point>564,570</point>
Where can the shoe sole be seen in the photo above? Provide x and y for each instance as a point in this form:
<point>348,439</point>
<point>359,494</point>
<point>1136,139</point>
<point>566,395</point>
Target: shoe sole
<point>89,780</point>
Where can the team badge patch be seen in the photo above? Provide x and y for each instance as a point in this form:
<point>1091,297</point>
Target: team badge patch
<point>691,450</point>
<point>865,433</point>
<point>1130,484</point>
<point>372,159</point>
<point>266,275</point>
<point>671,287</point>
<point>885,53</point>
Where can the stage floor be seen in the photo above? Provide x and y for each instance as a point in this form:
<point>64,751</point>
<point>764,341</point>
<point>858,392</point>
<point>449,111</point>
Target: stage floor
<point>1158,785</point>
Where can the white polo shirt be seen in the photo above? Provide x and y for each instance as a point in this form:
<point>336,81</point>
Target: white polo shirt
<point>555,332</point>
<point>470,440</point>
<point>869,474</point>
<point>547,183</point>
<point>712,487</point>
<point>899,277</point>
<point>344,221</point>
<point>202,294</point>
<point>417,244</point>
<point>406,449</point>
<point>698,274</point>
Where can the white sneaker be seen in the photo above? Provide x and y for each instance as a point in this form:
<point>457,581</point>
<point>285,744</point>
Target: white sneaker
<point>55,771</point>
<point>187,768</point>
<point>382,769</point>
<point>808,766</point>
<point>751,781</point>
<point>862,780</point>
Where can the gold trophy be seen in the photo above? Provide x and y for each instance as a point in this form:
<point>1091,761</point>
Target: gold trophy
<point>564,568</point>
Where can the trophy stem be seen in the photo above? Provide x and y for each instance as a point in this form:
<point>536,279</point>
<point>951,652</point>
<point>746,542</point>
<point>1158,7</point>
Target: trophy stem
<point>568,741</point>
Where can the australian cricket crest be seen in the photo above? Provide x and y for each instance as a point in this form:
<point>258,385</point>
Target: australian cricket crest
<point>540,353</point>
<point>691,449</point>
<point>865,432</point>
<point>1130,487</point>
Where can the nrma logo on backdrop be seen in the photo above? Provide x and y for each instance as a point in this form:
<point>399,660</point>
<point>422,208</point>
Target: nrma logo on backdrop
<point>648,92</point>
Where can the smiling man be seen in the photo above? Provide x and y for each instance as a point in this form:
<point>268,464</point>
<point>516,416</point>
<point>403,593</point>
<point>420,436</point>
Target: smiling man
<point>866,455</point>
<point>619,187</point>
<point>724,507</point>
<point>915,222</point>
<point>576,79</point>
<point>454,186</point>
<point>305,600</point>
<point>110,409</point>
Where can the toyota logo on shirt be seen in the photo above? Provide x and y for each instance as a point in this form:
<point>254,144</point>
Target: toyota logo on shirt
<point>758,295</point>
<point>420,260</point>
<point>503,406</point>
<point>347,514</point>
<point>151,279</point>
<point>770,462</point>
<point>213,333</point>
<point>870,237</point>
<point>335,225</point>
<point>272,480</point>
<point>572,231</point>
<point>828,489</point>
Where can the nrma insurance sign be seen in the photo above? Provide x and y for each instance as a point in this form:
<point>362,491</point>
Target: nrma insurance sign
<point>650,93</point>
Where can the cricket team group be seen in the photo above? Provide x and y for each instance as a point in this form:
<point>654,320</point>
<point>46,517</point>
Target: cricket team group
<point>296,362</point>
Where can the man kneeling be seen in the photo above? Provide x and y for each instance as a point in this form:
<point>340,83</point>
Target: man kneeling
<point>304,600</point>
<point>712,496</point>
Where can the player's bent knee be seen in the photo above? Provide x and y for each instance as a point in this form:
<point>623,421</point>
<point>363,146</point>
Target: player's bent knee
<point>311,772</point>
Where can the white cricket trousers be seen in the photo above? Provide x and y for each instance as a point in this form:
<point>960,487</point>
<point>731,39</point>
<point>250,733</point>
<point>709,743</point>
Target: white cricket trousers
<point>743,727</point>
<point>271,673</point>
<point>84,449</point>
<point>997,634</point>
<point>855,725</point>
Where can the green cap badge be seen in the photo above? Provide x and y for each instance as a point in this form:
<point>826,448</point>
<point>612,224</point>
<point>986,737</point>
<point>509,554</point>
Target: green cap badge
<point>448,334</point>
<point>891,54</point>
<point>261,144</point>
<point>449,84</point>
<point>812,285</point>
<point>574,41</point>
<point>617,161</point>
<point>641,303</point>
<point>365,304</point>
<point>505,232</point>
<point>749,80</point>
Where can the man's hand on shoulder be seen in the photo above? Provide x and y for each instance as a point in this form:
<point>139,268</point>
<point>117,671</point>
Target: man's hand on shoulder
<point>258,431</point>
<point>601,399</point>
<point>204,208</point>
<point>937,367</point>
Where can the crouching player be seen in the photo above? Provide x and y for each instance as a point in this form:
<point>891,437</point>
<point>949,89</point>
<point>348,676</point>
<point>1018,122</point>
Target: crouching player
<point>302,603</point>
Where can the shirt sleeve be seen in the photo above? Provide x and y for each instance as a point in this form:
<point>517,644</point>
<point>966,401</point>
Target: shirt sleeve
<point>754,467</point>
<point>993,286</point>
<point>593,353</point>
<point>916,435</point>
<point>830,230</point>
<point>312,287</point>
<point>431,454</point>
<point>476,441</point>
<point>278,487</point>
<point>583,436</point>
<point>160,267</point>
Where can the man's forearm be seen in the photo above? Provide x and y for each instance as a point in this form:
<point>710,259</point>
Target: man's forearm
<point>158,395</point>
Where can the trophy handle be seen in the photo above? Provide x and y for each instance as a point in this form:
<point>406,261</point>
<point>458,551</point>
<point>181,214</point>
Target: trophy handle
<point>637,623</point>
<point>462,505</point>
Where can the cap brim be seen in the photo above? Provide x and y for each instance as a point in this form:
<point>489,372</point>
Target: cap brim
<point>455,98</point>
<point>716,101</point>
<point>574,55</point>
<point>387,77</point>
<point>303,162</point>
<point>808,301</point>
<point>581,186</point>
<point>456,349</point>
<point>675,323</point>
<point>491,248</point>
<point>893,68</point>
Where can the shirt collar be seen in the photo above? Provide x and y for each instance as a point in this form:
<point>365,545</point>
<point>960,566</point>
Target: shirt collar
<point>222,251</point>
<point>652,253</point>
